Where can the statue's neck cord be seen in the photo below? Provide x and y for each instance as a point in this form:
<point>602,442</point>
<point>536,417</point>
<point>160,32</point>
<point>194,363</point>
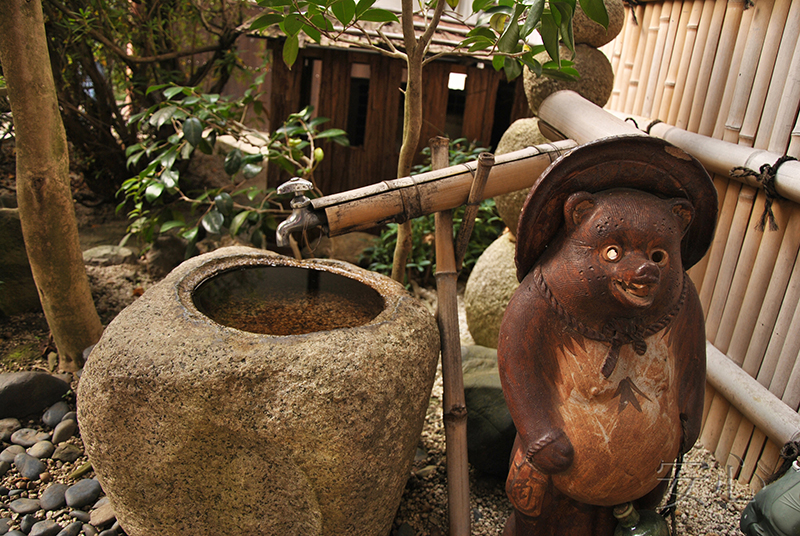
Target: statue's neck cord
<point>617,332</point>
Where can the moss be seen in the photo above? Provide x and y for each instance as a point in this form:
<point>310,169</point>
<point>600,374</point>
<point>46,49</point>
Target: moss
<point>21,355</point>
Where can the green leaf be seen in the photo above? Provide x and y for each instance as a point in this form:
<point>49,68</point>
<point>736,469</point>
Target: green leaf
<point>292,24</point>
<point>509,41</point>
<point>453,3</point>
<point>172,224</point>
<point>168,157</point>
<point>170,178</point>
<point>330,133</point>
<point>212,221</point>
<point>596,10</point>
<point>155,88</point>
<point>512,69</point>
<point>498,22</point>
<point>482,31</point>
<point>266,20</point>
<point>290,49</point>
<point>224,203</point>
<point>190,234</point>
<point>233,161</point>
<point>193,131</point>
<point>153,191</point>
<point>313,33</point>
<point>534,14</point>
<point>237,222</point>
<point>162,116</point>
<point>251,170</point>
<point>549,32</point>
<point>380,15</point>
<point>172,91</point>
<point>565,25</point>
<point>344,11</point>
<point>498,62</point>
<point>362,6</point>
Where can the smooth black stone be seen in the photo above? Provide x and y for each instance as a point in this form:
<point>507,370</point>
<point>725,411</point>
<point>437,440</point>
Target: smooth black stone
<point>28,466</point>
<point>25,506</point>
<point>27,523</point>
<point>53,415</point>
<point>80,515</point>
<point>53,497</point>
<point>28,437</point>
<point>84,492</point>
<point>9,453</point>
<point>4,467</point>
<point>73,529</point>
<point>24,393</point>
<point>15,492</point>
<point>4,523</point>
<point>48,527</point>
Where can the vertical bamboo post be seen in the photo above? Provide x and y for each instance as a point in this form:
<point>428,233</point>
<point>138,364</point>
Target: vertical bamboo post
<point>683,39</point>
<point>454,407</point>
<point>627,54</point>
<point>638,62</point>
<point>728,192</point>
<point>644,57</point>
<point>662,52</point>
<point>782,135</point>
<point>707,18</point>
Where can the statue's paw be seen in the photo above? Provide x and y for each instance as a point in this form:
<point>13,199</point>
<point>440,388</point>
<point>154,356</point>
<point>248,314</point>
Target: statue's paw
<point>555,456</point>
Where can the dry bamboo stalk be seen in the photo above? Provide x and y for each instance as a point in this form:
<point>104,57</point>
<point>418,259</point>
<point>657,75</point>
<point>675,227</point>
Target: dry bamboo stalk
<point>738,449</point>
<point>729,198</point>
<point>662,55</point>
<point>753,454</point>
<point>732,420</point>
<point>698,272</point>
<point>706,30</point>
<point>766,465</point>
<point>485,163</point>
<point>794,143</point>
<point>757,108</point>
<point>625,69</point>
<point>788,385</point>
<point>454,406</point>
<point>733,245</point>
<point>744,270</point>
<point>684,41</point>
<point>783,135</point>
<point>756,363</point>
<point>791,394</point>
<point>732,34</point>
<point>647,62</point>
<point>638,62</point>
<point>709,396</point>
<point>746,63</point>
<point>715,422</point>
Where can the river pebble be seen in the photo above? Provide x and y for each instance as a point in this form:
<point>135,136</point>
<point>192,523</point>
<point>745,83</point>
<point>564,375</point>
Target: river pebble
<point>54,497</point>
<point>28,437</point>
<point>64,430</point>
<point>84,492</point>
<point>28,466</point>
<point>42,449</point>
<point>47,527</point>
<point>53,415</point>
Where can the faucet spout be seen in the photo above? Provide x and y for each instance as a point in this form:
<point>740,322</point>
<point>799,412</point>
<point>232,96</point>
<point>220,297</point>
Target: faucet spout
<point>302,217</point>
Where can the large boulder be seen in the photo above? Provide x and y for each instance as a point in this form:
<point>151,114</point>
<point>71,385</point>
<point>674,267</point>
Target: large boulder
<point>521,134</point>
<point>490,429</point>
<point>595,84</point>
<point>586,31</point>
<point>288,394</point>
<point>18,292</point>
<point>28,392</point>
<point>489,288</point>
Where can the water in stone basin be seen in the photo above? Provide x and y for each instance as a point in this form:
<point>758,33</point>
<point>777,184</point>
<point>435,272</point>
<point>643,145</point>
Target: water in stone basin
<point>284,300</point>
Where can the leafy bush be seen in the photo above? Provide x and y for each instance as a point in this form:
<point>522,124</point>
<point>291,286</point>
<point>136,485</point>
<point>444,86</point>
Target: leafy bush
<point>158,198</point>
<point>421,262</point>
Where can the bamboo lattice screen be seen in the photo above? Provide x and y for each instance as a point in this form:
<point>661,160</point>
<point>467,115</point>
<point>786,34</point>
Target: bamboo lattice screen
<point>731,72</point>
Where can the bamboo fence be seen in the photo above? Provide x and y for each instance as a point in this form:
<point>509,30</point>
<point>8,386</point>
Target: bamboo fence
<point>730,71</point>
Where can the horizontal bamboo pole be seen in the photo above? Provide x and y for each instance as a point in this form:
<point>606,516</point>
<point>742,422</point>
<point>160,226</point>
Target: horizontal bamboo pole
<point>766,411</point>
<point>401,199</point>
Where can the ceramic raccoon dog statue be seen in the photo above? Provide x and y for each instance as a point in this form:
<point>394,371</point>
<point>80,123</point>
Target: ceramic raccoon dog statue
<point>601,354</point>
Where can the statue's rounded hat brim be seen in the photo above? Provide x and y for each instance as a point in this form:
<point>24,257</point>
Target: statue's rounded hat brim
<point>639,162</point>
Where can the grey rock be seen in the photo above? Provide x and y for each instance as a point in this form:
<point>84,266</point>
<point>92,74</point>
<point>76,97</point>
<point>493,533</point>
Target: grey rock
<point>27,523</point>
<point>102,501</point>
<point>103,515</point>
<point>593,34</point>
<point>109,532</point>
<point>24,393</point>
<point>4,524</point>
<point>405,530</point>
<point>15,268</point>
<point>28,466</point>
<point>54,497</point>
<point>42,449</point>
<point>28,437</point>
<point>3,491</point>
<point>64,430</point>
<point>490,286</point>
<point>73,415</point>
<point>80,515</point>
<point>89,530</point>
<point>364,391</point>
<point>67,452</point>
<point>24,506</point>
<point>490,429</point>
<point>109,255</point>
<point>7,427</point>
<point>82,493</point>
<point>47,527</point>
<point>165,254</point>
<point>15,492</point>
<point>53,415</point>
<point>9,453</point>
<point>4,467</point>
<point>16,533</point>
<point>73,529</point>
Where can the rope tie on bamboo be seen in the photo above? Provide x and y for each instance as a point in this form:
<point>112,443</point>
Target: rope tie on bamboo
<point>766,178</point>
<point>617,333</point>
<point>632,4</point>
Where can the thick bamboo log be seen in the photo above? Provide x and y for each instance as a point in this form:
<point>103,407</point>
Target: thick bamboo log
<point>454,407</point>
<point>434,191</point>
<point>756,108</point>
<point>706,31</point>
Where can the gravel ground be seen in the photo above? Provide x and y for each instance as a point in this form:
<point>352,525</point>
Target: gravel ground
<point>709,503</point>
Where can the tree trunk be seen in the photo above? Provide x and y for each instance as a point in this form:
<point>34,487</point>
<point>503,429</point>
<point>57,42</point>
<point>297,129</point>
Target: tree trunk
<point>45,201</point>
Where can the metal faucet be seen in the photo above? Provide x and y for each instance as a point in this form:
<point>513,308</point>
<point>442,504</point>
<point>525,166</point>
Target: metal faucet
<point>302,217</point>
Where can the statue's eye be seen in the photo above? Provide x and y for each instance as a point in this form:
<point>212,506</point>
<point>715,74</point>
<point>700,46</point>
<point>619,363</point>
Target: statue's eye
<point>658,256</point>
<point>612,253</point>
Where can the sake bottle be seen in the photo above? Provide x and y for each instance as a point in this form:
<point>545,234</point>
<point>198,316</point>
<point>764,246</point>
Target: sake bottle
<point>644,523</point>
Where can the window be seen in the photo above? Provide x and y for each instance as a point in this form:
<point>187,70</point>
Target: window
<point>359,104</point>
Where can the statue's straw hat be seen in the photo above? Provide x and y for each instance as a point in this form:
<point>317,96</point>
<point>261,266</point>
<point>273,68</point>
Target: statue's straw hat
<point>639,162</point>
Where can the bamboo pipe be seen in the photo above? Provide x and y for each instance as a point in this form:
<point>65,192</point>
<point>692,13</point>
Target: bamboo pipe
<point>715,254</point>
<point>747,63</point>
<point>454,407</point>
<point>656,59</point>
<point>764,409</point>
<point>790,386</point>
<point>431,192</point>
<point>638,63</point>
<point>683,107</point>
<point>751,457</point>
<point>794,142</point>
<point>783,135</point>
<point>770,51</point>
<point>683,40</point>
<point>485,163</point>
<point>629,46</point>
<point>708,97</point>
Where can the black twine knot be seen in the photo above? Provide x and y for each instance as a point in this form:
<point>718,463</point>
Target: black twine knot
<point>766,178</point>
<point>619,334</point>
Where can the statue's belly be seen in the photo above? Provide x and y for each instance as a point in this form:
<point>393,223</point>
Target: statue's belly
<point>625,428</point>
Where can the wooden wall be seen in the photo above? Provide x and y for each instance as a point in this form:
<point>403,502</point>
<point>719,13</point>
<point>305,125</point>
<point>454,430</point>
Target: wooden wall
<point>718,69</point>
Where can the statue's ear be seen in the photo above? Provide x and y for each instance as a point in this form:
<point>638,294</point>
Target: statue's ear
<point>684,211</point>
<point>577,207</point>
